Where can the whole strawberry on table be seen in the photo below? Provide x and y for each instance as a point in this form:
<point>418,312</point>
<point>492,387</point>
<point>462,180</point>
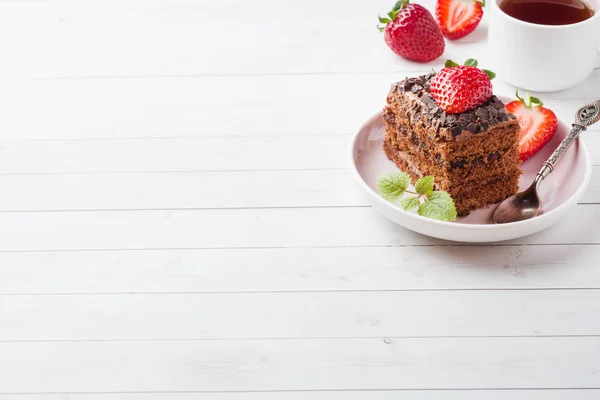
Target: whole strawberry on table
<point>411,32</point>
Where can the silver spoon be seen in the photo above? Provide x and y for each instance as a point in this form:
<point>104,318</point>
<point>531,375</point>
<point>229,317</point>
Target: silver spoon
<point>527,204</point>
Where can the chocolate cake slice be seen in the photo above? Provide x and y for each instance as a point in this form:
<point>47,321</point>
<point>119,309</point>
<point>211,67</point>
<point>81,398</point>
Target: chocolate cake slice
<point>474,155</point>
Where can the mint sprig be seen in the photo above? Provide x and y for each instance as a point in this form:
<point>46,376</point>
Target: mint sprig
<point>429,203</point>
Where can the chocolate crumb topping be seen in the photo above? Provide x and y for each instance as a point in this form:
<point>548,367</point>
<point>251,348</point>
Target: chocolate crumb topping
<point>474,121</point>
<point>472,127</point>
<point>483,114</point>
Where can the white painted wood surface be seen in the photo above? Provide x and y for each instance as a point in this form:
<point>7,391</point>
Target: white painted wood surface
<point>177,220</point>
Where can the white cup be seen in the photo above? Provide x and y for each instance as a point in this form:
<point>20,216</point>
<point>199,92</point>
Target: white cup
<point>543,58</point>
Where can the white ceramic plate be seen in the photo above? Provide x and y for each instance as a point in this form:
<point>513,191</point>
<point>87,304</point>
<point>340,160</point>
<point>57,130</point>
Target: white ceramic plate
<point>559,192</point>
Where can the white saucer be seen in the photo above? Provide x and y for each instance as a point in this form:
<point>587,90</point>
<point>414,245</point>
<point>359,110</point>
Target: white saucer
<point>559,192</point>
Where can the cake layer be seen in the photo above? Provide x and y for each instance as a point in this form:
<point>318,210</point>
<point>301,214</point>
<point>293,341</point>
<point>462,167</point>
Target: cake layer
<point>479,196</point>
<point>475,189</point>
<point>466,196</point>
<point>448,181</point>
<point>497,137</point>
<point>493,193</point>
<point>471,167</point>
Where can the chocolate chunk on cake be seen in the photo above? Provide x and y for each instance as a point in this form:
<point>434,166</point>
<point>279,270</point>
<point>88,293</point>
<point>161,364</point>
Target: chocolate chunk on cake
<point>474,155</point>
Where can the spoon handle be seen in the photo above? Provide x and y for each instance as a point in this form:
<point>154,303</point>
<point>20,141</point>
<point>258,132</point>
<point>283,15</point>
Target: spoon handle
<point>587,115</point>
<point>548,165</point>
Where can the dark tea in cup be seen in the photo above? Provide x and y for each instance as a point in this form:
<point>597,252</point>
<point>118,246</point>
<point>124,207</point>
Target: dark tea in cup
<point>547,12</point>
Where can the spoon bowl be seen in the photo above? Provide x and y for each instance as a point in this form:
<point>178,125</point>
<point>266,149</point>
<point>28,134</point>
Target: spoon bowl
<point>519,207</point>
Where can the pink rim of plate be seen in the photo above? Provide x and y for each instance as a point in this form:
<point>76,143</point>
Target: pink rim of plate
<point>572,175</point>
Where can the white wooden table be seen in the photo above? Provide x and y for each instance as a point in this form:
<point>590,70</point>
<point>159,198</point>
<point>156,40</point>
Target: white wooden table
<point>178,221</point>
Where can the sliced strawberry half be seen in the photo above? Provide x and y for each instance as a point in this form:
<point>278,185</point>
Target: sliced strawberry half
<point>458,18</point>
<point>538,124</point>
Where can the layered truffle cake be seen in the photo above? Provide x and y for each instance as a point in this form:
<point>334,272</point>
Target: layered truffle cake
<point>473,155</point>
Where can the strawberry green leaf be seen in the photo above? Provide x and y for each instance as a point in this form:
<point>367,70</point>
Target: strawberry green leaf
<point>394,12</point>
<point>536,101</point>
<point>400,4</point>
<point>410,203</point>
<point>519,97</point>
<point>529,100</point>
<point>424,185</point>
<point>380,28</point>
<point>439,205</point>
<point>384,20</point>
<point>450,63</point>
<point>471,62</point>
<point>489,73</point>
<point>392,186</point>
<point>482,2</point>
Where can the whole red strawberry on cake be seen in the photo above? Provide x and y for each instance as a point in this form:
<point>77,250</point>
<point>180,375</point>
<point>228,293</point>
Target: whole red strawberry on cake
<point>451,126</point>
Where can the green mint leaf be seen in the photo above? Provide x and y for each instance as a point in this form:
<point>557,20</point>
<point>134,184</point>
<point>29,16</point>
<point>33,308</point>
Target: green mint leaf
<point>489,73</point>
<point>450,63</point>
<point>439,205</point>
<point>424,185</point>
<point>409,203</point>
<point>392,186</point>
<point>471,62</point>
